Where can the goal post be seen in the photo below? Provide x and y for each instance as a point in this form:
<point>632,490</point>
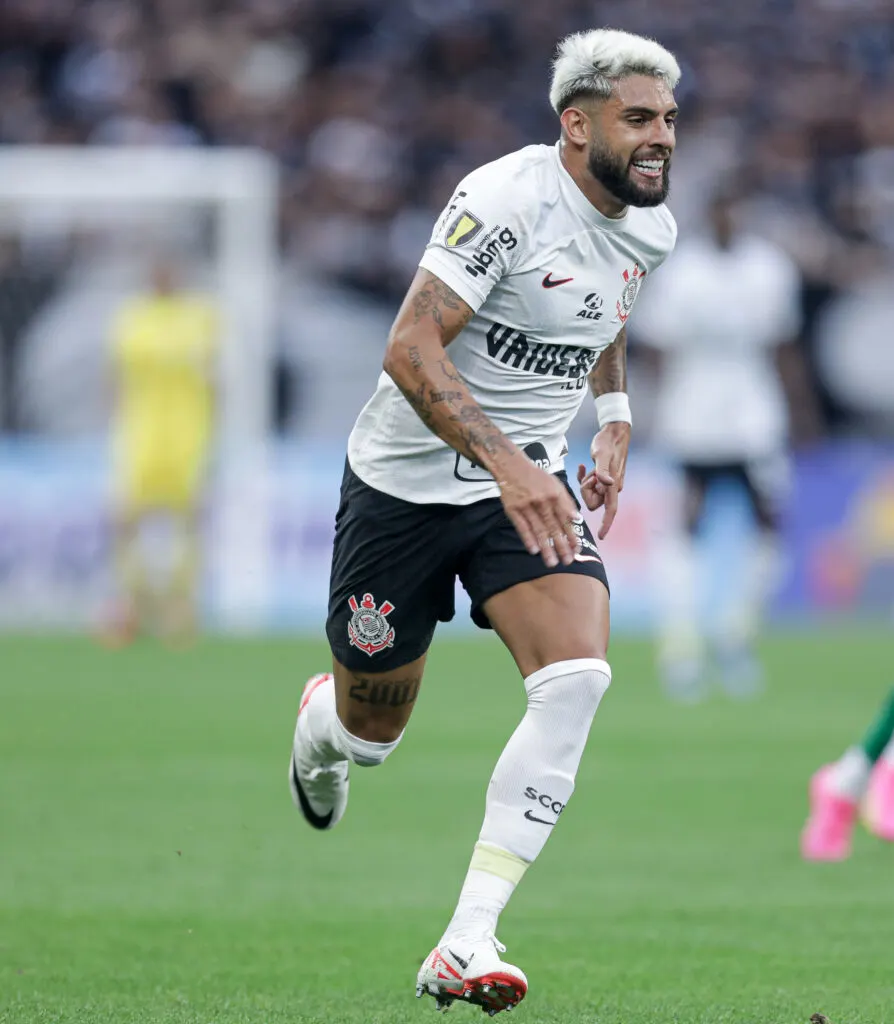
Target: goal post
<point>128,189</point>
<point>240,186</point>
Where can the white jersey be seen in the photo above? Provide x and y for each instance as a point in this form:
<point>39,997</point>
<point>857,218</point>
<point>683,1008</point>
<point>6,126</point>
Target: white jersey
<point>717,315</point>
<point>552,282</point>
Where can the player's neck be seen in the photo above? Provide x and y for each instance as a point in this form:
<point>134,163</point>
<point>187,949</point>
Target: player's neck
<point>599,196</point>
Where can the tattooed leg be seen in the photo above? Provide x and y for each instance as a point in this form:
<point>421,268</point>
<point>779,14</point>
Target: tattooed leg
<point>347,717</point>
<point>377,705</point>
<point>344,719</point>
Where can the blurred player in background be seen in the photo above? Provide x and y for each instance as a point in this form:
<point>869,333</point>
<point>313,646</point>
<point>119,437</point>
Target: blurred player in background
<point>721,319</point>
<point>864,774</point>
<point>456,469</point>
<point>164,356</point>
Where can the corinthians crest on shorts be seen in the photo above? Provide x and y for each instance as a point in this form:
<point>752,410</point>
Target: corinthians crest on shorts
<point>368,627</point>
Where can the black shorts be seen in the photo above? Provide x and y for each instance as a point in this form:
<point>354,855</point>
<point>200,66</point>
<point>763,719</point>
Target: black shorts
<point>395,564</point>
<point>764,481</point>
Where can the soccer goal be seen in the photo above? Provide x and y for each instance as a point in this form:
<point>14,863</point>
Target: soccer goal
<point>79,230</point>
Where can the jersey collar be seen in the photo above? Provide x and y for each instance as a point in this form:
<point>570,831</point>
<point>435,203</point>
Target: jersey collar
<point>579,201</point>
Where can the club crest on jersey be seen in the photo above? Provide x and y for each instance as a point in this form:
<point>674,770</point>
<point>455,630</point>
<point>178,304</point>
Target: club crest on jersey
<point>463,229</point>
<point>632,281</point>
<point>369,628</point>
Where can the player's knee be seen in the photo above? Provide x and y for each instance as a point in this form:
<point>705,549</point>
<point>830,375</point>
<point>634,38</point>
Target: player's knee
<point>577,685</point>
<point>376,709</point>
<point>598,651</point>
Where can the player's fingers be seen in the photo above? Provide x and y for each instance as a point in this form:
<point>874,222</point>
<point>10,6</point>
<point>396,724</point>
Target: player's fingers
<point>591,495</point>
<point>603,477</point>
<point>581,473</point>
<point>525,530</point>
<point>611,509</point>
<point>591,500</point>
<point>570,519</point>
<point>540,531</point>
<point>558,523</point>
<point>572,525</point>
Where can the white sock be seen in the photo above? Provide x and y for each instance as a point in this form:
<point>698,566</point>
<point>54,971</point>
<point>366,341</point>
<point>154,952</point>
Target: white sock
<point>677,571</point>
<point>849,776</point>
<point>329,740</point>
<point>530,786</point>
<point>763,573</point>
<point>491,879</point>
<point>888,753</point>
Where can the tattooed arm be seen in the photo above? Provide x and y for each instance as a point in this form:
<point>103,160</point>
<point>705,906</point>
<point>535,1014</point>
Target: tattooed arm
<point>610,372</point>
<point>416,359</point>
<point>431,316</point>
<point>602,485</point>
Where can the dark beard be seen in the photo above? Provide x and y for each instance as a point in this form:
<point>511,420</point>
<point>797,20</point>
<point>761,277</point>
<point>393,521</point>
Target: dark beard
<point>611,172</point>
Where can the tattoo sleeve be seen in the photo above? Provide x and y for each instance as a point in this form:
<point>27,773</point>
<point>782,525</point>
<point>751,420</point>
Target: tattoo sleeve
<point>610,372</point>
<point>430,381</point>
<point>435,299</point>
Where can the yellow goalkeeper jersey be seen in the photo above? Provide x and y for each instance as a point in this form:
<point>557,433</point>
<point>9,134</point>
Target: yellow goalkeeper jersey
<point>164,353</point>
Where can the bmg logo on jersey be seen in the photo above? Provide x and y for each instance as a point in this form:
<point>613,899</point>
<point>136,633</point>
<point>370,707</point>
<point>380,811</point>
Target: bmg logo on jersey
<point>501,238</point>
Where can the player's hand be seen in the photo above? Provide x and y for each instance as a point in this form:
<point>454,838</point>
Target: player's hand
<point>601,486</point>
<point>542,511</point>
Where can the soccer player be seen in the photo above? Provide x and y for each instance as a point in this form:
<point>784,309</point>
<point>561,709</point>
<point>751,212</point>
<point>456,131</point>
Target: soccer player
<point>164,347</point>
<point>721,319</point>
<point>865,773</point>
<point>455,469</point>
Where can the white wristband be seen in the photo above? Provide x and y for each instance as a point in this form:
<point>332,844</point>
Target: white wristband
<point>613,408</point>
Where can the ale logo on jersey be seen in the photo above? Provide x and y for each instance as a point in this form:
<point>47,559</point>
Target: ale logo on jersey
<point>463,229</point>
<point>632,280</point>
<point>369,629</point>
<point>593,311</point>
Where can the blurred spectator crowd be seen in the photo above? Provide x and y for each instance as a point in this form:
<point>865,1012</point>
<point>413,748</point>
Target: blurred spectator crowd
<point>375,108</point>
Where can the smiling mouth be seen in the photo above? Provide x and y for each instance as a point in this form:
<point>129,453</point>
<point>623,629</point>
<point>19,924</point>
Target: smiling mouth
<point>649,168</point>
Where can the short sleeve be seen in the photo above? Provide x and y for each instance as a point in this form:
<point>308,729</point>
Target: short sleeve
<point>477,239</point>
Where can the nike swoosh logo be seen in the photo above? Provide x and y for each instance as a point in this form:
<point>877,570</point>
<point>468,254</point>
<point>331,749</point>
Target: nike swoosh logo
<point>542,821</point>
<point>320,821</point>
<point>586,558</point>
<point>462,963</point>
<point>548,281</point>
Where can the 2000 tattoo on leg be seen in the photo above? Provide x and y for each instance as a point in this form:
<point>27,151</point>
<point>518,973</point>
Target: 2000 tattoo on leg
<point>376,706</point>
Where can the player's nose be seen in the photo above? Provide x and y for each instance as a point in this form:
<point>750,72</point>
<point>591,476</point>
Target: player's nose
<point>663,137</point>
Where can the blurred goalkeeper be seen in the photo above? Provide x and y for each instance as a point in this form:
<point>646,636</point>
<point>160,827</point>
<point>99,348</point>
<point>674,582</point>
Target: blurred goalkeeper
<point>164,355</point>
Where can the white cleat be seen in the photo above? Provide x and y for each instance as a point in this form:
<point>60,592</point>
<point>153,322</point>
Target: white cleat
<point>319,788</point>
<point>471,970</point>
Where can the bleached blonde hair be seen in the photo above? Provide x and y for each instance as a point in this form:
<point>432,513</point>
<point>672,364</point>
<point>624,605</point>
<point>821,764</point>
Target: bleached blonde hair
<point>588,64</point>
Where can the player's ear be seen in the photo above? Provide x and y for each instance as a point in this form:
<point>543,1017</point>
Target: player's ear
<point>576,126</point>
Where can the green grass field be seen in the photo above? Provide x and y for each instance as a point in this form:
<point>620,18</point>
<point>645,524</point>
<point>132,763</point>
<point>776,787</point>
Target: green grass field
<point>152,867</point>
